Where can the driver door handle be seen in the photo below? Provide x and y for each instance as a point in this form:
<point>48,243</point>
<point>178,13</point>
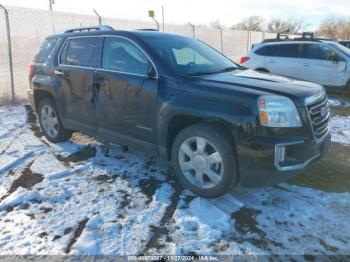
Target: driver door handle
<point>98,82</point>
<point>58,72</point>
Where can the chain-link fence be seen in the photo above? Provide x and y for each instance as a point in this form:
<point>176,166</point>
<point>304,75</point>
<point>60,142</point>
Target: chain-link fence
<point>29,27</point>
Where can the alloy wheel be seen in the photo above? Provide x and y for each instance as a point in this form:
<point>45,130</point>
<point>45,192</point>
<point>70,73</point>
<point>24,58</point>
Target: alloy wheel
<point>49,121</point>
<point>201,162</point>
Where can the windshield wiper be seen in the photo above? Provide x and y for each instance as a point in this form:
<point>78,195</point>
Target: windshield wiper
<point>203,73</point>
<point>226,69</point>
<point>230,68</point>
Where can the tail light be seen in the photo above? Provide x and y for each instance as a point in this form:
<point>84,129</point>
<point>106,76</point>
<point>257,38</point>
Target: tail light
<point>31,69</point>
<point>244,59</point>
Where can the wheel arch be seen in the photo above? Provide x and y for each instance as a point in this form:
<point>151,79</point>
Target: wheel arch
<point>179,122</point>
<point>39,95</point>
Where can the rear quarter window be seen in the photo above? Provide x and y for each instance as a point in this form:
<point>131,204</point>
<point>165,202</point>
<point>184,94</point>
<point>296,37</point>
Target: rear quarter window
<point>45,50</point>
<point>270,50</point>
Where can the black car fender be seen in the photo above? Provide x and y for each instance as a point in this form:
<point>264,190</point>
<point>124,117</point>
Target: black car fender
<point>182,111</point>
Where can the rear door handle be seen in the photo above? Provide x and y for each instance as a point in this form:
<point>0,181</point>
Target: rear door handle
<point>306,64</point>
<point>58,72</point>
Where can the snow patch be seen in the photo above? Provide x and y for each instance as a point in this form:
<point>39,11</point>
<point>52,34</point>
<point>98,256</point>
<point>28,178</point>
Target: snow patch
<point>340,129</point>
<point>21,195</point>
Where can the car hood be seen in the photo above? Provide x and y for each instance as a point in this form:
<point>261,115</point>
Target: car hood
<point>263,84</point>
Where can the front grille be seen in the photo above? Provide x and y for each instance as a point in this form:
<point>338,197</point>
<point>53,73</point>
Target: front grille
<point>319,116</point>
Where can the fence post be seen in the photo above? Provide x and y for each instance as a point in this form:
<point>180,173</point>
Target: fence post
<point>248,40</point>
<point>193,29</point>
<point>99,17</point>
<point>9,52</point>
<point>221,40</point>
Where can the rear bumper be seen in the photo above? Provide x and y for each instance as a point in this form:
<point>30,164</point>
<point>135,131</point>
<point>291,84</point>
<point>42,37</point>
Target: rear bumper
<point>268,161</point>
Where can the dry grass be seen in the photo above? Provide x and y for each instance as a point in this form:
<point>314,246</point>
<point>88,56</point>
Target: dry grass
<point>5,99</point>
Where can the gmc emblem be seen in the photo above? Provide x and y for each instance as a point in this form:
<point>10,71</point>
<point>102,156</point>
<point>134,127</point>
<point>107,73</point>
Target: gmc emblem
<point>323,111</point>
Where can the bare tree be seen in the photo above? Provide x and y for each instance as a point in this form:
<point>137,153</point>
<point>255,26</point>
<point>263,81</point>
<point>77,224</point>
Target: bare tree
<point>277,25</point>
<point>335,28</point>
<point>216,24</point>
<point>292,24</point>
<point>253,23</point>
<point>296,25</point>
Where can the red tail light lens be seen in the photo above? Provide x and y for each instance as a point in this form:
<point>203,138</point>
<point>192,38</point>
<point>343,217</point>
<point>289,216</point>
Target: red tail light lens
<point>31,68</point>
<point>244,59</point>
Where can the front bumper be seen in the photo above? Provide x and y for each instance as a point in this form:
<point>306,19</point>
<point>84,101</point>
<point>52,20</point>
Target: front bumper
<point>265,161</point>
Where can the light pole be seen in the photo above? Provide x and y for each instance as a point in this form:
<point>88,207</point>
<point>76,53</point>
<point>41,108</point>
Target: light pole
<point>152,15</point>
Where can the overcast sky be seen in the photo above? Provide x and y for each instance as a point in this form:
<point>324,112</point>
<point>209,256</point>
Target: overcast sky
<point>228,12</point>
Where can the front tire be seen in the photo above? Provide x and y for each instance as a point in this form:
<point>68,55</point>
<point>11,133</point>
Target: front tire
<point>204,159</point>
<point>50,122</point>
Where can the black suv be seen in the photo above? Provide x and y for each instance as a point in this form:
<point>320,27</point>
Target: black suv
<point>173,96</point>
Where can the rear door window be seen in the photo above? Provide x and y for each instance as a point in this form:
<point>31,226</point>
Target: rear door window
<point>45,50</point>
<point>270,50</point>
<point>84,51</point>
<point>316,51</point>
<point>289,50</point>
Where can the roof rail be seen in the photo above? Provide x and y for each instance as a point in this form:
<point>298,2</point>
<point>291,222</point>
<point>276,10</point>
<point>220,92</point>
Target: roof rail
<point>281,36</point>
<point>306,36</point>
<point>147,29</point>
<point>309,35</point>
<point>89,28</point>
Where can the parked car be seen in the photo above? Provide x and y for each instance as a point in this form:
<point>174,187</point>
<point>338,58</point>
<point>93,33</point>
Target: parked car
<point>345,43</point>
<point>173,96</point>
<point>325,62</point>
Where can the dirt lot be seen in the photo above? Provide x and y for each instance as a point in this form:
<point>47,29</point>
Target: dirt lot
<point>83,197</point>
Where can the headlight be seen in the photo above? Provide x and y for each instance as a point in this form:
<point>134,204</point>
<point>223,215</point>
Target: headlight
<point>278,111</point>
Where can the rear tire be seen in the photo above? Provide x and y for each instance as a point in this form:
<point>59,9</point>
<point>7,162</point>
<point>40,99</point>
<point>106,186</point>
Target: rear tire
<point>204,159</point>
<point>50,122</point>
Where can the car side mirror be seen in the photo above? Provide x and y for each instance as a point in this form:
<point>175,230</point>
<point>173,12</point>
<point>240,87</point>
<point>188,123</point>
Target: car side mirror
<point>151,72</point>
<point>333,57</point>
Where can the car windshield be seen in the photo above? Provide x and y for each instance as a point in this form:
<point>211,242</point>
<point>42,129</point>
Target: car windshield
<point>188,56</point>
<point>344,50</point>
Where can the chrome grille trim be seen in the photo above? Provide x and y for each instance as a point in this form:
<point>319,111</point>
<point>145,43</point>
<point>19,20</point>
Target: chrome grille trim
<point>318,121</point>
<point>313,110</point>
